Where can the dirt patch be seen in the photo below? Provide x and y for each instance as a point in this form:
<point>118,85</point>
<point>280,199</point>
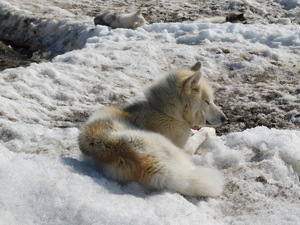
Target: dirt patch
<point>261,100</point>
<point>13,56</point>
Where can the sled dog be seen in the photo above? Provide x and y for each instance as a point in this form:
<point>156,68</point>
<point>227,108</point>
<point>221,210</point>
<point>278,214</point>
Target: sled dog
<point>143,142</point>
<point>115,20</point>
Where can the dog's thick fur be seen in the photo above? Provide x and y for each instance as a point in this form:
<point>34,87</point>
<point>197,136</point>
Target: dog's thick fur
<point>115,20</point>
<point>143,142</point>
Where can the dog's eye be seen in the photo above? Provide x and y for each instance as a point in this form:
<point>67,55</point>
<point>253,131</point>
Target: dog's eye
<point>207,102</point>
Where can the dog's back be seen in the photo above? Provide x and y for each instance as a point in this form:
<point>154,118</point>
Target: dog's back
<point>144,116</point>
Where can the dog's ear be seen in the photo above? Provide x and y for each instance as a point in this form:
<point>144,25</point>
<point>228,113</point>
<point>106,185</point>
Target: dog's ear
<point>138,12</point>
<point>196,67</point>
<point>192,83</point>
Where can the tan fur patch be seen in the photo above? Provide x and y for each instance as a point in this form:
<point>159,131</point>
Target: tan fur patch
<point>133,167</point>
<point>96,140</point>
<point>114,111</point>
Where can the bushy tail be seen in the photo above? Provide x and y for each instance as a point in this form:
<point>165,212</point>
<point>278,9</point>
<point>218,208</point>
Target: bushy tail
<point>188,180</point>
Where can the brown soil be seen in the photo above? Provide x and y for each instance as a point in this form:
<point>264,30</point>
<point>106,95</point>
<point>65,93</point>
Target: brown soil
<point>12,56</point>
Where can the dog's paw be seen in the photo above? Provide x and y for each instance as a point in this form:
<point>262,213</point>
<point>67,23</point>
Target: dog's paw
<point>209,131</point>
<point>135,24</point>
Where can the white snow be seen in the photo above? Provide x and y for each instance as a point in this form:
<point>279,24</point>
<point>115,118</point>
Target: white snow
<point>43,179</point>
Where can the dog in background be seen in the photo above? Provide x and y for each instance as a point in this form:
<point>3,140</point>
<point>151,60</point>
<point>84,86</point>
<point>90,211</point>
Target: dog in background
<point>122,20</point>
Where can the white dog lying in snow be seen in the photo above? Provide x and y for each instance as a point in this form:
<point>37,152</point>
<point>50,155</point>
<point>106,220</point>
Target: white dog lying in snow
<point>115,20</point>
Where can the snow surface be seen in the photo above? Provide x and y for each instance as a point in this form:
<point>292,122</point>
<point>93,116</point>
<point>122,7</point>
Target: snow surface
<point>43,179</point>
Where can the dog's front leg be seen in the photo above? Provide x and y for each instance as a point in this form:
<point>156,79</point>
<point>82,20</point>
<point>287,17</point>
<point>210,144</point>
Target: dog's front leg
<point>197,139</point>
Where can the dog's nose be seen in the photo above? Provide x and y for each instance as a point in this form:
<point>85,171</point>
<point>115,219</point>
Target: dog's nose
<point>224,119</point>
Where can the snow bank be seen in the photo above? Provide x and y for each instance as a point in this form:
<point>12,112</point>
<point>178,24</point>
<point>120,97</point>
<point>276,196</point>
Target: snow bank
<point>268,178</point>
<point>282,144</point>
<point>37,34</point>
<point>20,137</point>
<point>53,190</point>
<point>39,189</point>
<point>194,34</point>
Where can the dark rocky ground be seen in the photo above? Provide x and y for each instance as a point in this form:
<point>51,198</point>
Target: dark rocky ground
<point>11,57</point>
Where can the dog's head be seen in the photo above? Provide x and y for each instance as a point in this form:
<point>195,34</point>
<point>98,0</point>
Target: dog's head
<point>197,95</point>
<point>139,19</point>
<point>186,96</point>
